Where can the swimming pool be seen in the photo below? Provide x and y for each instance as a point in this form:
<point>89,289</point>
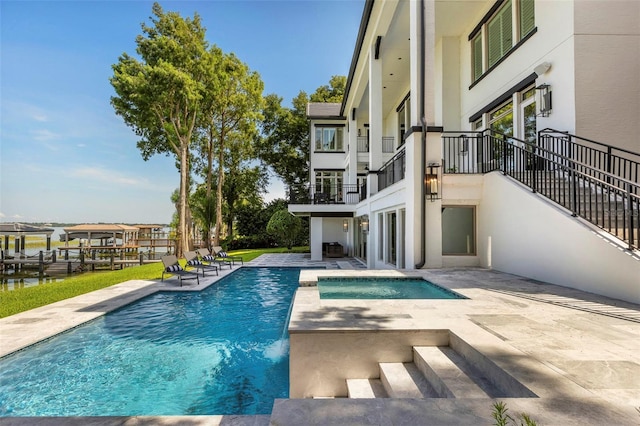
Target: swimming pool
<point>382,288</point>
<point>220,351</point>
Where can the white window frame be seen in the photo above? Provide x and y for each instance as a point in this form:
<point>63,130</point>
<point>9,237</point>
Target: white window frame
<point>335,145</point>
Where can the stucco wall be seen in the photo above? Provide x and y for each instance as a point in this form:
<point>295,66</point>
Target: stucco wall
<point>531,237</point>
<point>607,72</point>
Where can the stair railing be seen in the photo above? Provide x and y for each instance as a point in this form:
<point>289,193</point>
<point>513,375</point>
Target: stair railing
<point>608,199</point>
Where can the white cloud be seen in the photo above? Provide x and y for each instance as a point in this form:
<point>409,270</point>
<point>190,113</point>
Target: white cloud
<point>44,135</point>
<point>40,117</point>
<point>102,175</point>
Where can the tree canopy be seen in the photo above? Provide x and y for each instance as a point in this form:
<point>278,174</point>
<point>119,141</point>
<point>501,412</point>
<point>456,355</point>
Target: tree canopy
<point>159,96</point>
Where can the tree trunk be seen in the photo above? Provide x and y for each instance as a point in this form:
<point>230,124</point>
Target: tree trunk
<point>183,231</point>
<point>219,192</point>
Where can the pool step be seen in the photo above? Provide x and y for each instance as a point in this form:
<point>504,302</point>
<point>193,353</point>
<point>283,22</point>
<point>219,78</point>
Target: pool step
<point>440,372</point>
<point>443,367</point>
<point>366,388</point>
<point>404,380</point>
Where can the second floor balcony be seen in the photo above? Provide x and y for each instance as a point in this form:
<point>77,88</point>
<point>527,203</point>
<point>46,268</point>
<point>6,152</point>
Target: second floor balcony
<point>327,194</point>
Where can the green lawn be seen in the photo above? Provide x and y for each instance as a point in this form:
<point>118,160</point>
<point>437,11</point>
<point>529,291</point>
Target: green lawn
<point>23,299</point>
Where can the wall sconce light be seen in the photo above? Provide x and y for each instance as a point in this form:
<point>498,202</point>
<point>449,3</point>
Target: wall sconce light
<point>464,144</point>
<point>432,181</point>
<point>345,225</point>
<point>544,99</point>
<point>365,225</point>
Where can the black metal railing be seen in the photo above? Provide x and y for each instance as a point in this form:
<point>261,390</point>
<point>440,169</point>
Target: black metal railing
<point>363,144</point>
<point>556,169</point>
<point>388,143</point>
<point>325,194</point>
<point>392,171</point>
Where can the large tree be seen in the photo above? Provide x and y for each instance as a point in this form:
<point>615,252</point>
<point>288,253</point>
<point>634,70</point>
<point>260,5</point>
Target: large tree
<point>159,95</point>
<point>234,103</point>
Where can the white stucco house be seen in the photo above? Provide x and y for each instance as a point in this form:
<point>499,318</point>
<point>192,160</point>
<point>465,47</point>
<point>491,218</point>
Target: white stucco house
<point>455,142</point>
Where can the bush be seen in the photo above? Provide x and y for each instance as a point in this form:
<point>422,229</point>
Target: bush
<point>285,227</point>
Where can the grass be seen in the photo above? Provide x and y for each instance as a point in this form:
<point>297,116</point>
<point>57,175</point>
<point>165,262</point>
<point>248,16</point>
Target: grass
<point>24,299</point>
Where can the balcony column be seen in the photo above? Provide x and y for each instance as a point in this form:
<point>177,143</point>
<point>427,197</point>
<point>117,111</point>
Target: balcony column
<point>352,177</point>
<point>375,119</point>
<point>414,179</point>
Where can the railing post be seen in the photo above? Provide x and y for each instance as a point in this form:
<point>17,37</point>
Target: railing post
<point>41,264</point>
<point>534,169</point>
<point>630,200</point>
<point>504,155</point>
<point>574,189</point>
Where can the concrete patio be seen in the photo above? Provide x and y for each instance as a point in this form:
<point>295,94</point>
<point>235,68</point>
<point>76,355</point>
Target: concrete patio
<point>577,352</point>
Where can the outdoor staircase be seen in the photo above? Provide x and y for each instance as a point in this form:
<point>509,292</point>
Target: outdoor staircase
<point>439,372</point>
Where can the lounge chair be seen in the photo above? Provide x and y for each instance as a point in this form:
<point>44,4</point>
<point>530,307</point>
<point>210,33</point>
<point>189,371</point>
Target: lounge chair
<point>208,258</point>
<point>192,260</point>
<point>172,267</point>
<point>218,253</point>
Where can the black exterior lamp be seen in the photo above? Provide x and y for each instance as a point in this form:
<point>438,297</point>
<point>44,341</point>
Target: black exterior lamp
<point>432,182</point>
<point>544,99</point>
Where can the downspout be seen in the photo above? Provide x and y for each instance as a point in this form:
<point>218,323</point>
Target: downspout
<point>423,142</point>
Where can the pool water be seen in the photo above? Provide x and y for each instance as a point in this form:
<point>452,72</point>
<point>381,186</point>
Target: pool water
<point>220,351</point>
<point>382,288</point>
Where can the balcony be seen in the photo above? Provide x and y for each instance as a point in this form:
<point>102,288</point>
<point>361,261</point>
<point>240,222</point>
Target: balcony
<point>392,171</point>
<point>327,194</point>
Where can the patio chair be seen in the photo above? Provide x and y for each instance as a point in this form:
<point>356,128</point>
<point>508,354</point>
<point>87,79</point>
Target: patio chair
<point>208,258</point>
<point>192,260</point>
<point>172,267</point>
<point>218,253</point>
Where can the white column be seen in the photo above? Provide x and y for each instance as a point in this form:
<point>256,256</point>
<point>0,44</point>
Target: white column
<point>315,238</point>
<point>372,241</point>
<point>352,178</point>
<point>399,239</point>
<point>375,119</point>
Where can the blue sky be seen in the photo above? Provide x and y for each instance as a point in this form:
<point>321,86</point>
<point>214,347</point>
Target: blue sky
<point>64,154</point>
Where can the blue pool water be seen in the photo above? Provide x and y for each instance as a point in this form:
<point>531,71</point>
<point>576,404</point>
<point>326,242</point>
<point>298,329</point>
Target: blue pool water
<point>220,351</point>
<point>382,288</point>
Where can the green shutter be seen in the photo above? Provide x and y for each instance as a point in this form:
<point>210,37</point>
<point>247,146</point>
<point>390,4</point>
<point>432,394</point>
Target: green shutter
<point>477,57</point>
<point>500,35</point>
<point>527,17</point>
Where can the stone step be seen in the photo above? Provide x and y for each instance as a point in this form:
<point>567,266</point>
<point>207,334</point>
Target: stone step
<point>442,368</point>
<point>365,388</point>
<point>404,380</point>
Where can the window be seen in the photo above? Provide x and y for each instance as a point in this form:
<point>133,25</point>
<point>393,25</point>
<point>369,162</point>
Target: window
<point>329,184</point>
<point>476,52</point>
<point>329,138</point>
<point>501,119</point>
<point>500,27</point>
<point>500,34</point>
<point>458,230</point>
<point>404,119</point>
<point>391,238</point>
<point>528,104</point>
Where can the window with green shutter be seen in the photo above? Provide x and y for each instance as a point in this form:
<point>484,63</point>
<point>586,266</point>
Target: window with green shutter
<point>500,33</point>
<point>476,47</point>
<point>527,17</point>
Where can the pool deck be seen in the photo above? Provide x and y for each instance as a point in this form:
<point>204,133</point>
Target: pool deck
<point>578,352</point>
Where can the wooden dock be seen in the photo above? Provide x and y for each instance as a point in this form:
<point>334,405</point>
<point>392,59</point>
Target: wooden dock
<point>87,260</point>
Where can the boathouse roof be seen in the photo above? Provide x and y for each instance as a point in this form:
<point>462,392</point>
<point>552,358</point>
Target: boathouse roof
<point>23,229</point>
